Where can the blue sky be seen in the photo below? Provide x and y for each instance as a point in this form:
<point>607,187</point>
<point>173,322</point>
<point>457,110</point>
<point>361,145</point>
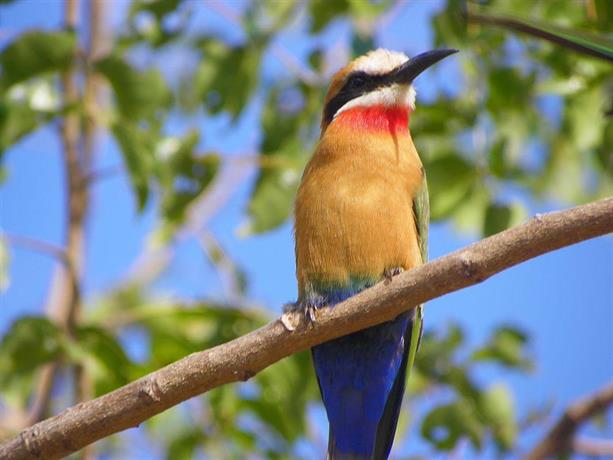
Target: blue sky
<point>563,300</point>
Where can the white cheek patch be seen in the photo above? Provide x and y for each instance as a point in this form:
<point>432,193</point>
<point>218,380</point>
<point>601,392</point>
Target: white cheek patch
<point>395,95</point>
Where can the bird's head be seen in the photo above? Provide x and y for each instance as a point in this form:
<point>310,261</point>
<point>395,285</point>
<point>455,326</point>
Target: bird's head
<point>378,78</point>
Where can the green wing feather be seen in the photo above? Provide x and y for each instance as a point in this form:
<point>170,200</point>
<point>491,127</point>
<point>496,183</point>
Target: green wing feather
<point>387,424</point>
<point>421,213</point>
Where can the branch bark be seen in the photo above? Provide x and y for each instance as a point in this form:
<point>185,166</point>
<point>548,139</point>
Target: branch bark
<point>243,357</point>
<point>559,439</point>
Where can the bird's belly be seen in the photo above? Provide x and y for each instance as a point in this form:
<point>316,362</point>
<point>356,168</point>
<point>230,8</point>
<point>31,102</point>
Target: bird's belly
<point>361,225</point>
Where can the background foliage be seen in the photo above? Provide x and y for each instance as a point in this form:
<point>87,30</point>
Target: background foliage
<point>528,123</point>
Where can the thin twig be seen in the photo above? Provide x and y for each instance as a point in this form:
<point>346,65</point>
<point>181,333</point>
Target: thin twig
<point>103,173</point>
<point>559,439</point>
<point>522,27</point>
<point>42,394</point>
<point>33,244</point>
<point>242,358</point>
<point>224,266</point>
<point>593,447</point>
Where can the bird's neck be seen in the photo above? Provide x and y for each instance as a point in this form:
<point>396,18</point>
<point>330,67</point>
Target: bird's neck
<point>377,118</point>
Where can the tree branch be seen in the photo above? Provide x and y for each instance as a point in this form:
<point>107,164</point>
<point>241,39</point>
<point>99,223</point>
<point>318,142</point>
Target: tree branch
<point>559,440</point>
<point>593,447</point>
<point>33,244</point>
<point>243,357</point>
<point>65,294</point>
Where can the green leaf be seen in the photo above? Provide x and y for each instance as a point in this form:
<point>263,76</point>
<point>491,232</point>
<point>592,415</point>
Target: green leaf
<point>272,200</point>
<point>139,94</point>
<point>285,390</point>
<point>361,44</point>
<point>159,8</point>
<point>175,332</point>
<point>24,108</point>
<point>28,344</point>
<point>157,22</point>
<point>471,211</point>
<point>35,53</point>
<point>499,217</point>
<point>436,351</point>
<point>450,179</point>
<point>604,14</point>
<point>283,156</point>
<point>323,11</point>
<point>183,447</point>
<point>449,25</point>
<point>183,174</point>
<point>103,357</point>
<point>445,425</point>
<point>265,17</point>
<point>604,152</point>
<point>584,118</point>
<point>17,120</point>
<point>498,409</point>
<point>225,405</point>
<point>362,11</point>
<point>506,346</point>
<point>137,149</point>
<point>227,76</point>
<point>509,88</point>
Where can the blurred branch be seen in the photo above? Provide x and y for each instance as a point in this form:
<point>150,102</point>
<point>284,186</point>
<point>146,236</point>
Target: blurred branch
<point>242,358</point>
<point>64,294</point>
<point>54,251</point>
<point>96,47</point>
<point>292,64</point>
<point>222,263</point>
<point>559,440</point>
<point>593,447</point>
<point>103,173</point>
<point>42,394</point>
<point>78,139</point>
<point>581,42</point>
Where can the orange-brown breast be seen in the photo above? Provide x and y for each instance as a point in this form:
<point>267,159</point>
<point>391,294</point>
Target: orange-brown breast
<point>353,211</point>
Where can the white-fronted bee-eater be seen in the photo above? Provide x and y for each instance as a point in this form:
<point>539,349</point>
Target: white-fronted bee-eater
<point>362,216</point>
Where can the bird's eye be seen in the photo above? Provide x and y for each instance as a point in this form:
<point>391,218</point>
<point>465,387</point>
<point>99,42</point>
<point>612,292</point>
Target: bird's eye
<point>358,81</point>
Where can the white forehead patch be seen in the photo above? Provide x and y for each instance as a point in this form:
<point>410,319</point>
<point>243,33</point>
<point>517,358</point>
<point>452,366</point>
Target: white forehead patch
<point>379,61</point>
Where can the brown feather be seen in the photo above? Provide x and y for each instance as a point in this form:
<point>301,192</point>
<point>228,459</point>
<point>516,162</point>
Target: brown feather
<point>354,206</point>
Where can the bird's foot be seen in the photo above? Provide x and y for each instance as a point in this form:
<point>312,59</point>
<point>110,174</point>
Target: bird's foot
<point>389,273</point>
<point>308,307</point>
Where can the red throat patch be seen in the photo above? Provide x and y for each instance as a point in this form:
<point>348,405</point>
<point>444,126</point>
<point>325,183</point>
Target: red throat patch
<point>376,118</point>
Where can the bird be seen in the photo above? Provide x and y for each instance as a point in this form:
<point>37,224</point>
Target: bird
<point>361,217</point>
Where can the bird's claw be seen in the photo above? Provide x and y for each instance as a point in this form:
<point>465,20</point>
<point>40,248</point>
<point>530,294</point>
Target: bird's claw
<point>306,307</point>
<point>309,313</point>
<point>389,273</point>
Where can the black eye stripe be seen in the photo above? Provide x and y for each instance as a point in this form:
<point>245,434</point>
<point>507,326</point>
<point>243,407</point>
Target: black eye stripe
<point>356,84</point>
<point>357,79</point>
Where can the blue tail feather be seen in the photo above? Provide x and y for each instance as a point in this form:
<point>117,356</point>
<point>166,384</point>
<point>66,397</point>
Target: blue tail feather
<point>361,378</point>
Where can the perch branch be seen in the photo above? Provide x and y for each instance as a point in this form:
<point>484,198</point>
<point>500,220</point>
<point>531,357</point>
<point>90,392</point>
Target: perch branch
<point>242,358</point>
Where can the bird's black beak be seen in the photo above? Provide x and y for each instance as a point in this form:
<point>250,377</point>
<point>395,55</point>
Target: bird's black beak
<point>408,71</point>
